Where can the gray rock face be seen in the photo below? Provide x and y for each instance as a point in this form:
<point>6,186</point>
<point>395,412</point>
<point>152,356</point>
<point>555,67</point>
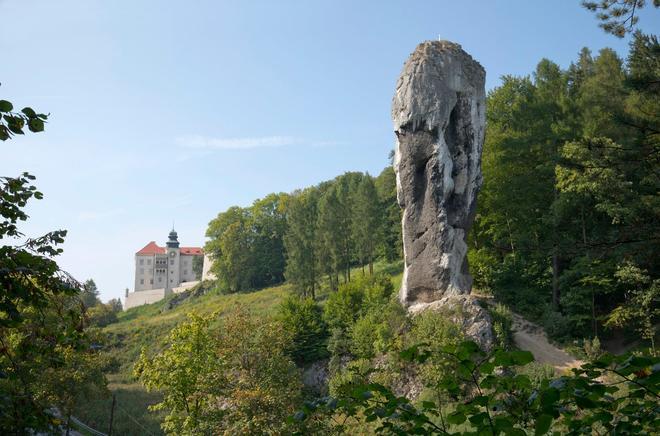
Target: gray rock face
<point>439,120</point>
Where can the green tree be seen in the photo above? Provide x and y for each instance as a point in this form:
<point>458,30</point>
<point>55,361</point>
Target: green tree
<point>328,239</point>
<point>46,359</point>
<point>301,244</point>
<point>198,266</point>
<point>189,374</point>
<point>90,294</point>
<point>642,306</point>
<point>302,319</point>
<point>391,243</point>
<point>366,223</point>
<point>230,246</point>
<point>270,225</point>
<point>231,379</point>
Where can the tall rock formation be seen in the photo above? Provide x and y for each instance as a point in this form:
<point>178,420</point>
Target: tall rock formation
<point>439,120</point>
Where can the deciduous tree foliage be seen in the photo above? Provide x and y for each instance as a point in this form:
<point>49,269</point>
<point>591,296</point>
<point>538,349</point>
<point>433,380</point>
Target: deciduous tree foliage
<point>571,169</point>
<point>234,378</point>
<point>246,244</point>
<point>320,232</point>
<point>47,362</point>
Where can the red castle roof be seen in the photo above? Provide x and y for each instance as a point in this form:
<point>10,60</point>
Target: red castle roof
<point>196,251</point>
<point>152,248</point>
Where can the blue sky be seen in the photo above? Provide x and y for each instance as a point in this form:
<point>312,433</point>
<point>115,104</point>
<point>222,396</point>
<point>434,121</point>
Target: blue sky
<point>164,110</point>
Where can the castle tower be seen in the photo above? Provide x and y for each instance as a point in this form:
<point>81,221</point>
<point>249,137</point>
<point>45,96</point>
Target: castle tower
<point>173,262</point>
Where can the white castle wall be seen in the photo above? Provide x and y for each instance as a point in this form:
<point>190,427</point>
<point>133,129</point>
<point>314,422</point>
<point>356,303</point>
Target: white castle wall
<point>138,298</point>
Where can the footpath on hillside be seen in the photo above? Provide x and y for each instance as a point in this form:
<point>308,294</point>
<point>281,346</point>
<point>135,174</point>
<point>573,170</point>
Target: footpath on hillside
<point>531,337</point>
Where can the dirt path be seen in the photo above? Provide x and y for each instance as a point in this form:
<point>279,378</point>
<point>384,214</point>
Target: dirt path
<point>531,337</point>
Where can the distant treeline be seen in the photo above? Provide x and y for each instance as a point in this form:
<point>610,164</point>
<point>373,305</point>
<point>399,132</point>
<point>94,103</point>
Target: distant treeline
<point>320,232</point>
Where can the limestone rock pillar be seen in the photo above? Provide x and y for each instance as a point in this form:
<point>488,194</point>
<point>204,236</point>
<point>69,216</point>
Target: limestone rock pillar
<point>439,121</point>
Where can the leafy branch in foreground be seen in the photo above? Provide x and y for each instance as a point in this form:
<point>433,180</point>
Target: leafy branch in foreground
<point>612,395</point>
<point>48,360</point>
<point>13,123</point>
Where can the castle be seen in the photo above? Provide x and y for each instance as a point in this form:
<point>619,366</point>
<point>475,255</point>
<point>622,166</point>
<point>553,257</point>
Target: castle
<point>161,271</point>
<point>166,267</point>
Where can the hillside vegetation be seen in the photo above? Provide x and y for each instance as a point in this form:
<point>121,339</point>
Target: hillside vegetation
<point>302,332</point>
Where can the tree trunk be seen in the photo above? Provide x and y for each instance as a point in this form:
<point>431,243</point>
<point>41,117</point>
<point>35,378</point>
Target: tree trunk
<point>593,313</point>
<point>555,279</point>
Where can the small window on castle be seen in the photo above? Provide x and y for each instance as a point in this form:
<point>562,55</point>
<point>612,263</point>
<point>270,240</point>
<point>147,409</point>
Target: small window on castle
<point>160,279</point>
<point>171,281</point>
<point>185,272</point>
<point>171,262</point>
<point>141,270</point>
<point>151,281</point>
<point>141,261</point>
<point>171,272</point>
<point>142,281</point>
<point>148,261</point>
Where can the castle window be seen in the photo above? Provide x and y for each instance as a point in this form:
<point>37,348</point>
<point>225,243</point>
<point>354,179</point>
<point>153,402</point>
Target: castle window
<point>148,261</point>
<point>141,271</point>
<point>160,279</point>
<point>141,261</point>
<point>185,272</point>
<point>142,281</point>
<point>171,262</point>
<point>151,281</point>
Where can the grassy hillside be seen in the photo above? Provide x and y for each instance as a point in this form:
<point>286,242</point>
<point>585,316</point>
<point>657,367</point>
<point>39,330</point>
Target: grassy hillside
<point>146,326</point>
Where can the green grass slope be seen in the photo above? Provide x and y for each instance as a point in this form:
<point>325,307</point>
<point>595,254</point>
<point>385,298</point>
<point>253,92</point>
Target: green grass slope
<point>147,326</point>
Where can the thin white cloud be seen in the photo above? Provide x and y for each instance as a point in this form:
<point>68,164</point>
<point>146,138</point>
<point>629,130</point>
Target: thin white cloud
<point>209,143</point>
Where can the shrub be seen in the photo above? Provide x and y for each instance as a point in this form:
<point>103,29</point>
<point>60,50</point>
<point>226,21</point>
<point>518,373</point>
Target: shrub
<point>483,265</point>
<point>302,318</point>
<point>436,331</point>
<point>592,348</point>
<point>557,326</point>
<point>502,323</point>
<point>355,298</point>
<point>373,333</point>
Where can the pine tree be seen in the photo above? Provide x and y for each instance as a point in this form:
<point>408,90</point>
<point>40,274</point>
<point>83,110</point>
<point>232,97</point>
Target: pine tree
<point>366,222</point>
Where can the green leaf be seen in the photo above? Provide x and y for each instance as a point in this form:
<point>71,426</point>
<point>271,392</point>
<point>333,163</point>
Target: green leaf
<point>29,112</point>
<point>36,125</point>
<point>549,397</point>
<point>521,357</point>
<point>456,418</point>
<point>542,425</point>
<point>6,106</point>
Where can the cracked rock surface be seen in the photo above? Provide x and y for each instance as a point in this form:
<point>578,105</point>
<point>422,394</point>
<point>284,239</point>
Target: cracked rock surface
<point>439,121</point>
